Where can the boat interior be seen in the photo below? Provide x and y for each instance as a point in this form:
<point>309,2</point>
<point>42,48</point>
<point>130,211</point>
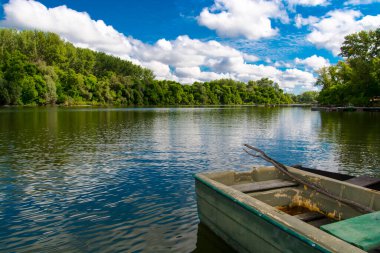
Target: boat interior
<point>281,192</point>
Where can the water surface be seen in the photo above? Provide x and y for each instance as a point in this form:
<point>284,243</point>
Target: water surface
<point>120,179</point>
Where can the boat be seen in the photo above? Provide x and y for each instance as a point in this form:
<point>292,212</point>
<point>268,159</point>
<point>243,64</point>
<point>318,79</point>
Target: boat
<point>266,210</point>
<point>366,181</point>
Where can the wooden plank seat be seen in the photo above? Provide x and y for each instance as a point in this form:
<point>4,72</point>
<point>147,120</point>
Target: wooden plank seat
<point>321,222</point>
<point>363,181</point>
<point>263,185</point>
<point>309,216</point>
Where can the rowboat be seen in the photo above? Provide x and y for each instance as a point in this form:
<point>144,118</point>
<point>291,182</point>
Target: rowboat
<point>264,210</point>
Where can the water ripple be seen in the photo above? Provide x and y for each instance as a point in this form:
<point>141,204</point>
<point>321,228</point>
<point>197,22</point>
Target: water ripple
<point>120,180</point>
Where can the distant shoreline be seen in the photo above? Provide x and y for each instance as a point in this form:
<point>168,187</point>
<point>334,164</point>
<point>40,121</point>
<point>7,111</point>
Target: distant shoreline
<point>154,106</point>
<point>345,109</point>
<point>312,107</point>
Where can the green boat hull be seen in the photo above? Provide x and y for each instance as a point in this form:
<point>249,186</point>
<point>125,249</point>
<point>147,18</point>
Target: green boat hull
<point>250,225</point>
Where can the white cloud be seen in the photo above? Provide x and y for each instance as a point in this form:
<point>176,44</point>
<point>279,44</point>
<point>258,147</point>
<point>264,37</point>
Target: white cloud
<point>330,31</point>
<point>313,62</point>
<point>282,64</point>
<point>300,21</point>
<point>187,52</point>
<point>160,69</point>
<point>308,2</point>
<point>292,78</point>
<point>359,2</point>
<point>247,18</point>
<point>184,59</point>
<point>164,44</point>
<point>250,58</point>
<point>193,74</point>
<point>76,27</point>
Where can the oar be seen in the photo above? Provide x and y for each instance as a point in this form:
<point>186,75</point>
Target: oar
<point>260,154</point>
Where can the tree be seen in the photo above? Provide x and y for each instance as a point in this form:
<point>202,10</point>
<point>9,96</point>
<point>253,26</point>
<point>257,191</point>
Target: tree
<point>364,45</point>
<point>40,68</point>
<point>308,97</point>
<point>356,79</point>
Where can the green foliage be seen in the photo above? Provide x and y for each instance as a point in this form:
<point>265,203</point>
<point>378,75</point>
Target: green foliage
<point>355,81</point>
<point>307,97</point>
<point>40,68</point>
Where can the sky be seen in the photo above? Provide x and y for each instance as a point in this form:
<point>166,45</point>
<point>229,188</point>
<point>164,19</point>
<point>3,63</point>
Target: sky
<point>201,40</point>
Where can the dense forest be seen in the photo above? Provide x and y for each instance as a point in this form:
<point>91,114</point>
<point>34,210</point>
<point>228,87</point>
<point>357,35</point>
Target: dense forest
<point>38,68</point>
<point>356,79</point>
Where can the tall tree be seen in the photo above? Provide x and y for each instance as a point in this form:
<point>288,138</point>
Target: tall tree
<point>356,79</point>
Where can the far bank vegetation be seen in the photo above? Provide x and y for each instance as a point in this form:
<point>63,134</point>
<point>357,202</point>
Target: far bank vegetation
<point>38,68</point>
<point>355,80</point>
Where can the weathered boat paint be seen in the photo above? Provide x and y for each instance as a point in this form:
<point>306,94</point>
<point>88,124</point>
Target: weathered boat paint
<point>250,225</point>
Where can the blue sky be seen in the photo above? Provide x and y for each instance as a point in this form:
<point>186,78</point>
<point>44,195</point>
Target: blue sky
<point>201,40</point>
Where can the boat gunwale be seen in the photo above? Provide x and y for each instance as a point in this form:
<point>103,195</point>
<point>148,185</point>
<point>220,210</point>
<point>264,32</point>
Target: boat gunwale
<point>209,182</point>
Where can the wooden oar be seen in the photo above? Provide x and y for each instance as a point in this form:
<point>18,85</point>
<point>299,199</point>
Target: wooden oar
<point>260,154</point>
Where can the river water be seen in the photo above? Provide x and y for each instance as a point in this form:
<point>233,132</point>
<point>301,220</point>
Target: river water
<point>120,179</point>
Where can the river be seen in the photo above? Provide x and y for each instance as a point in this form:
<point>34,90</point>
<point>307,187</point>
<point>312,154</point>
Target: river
<point>120,179</point>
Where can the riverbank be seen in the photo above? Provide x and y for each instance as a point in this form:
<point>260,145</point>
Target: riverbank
<point>346,109</point>
<point>154,106</point>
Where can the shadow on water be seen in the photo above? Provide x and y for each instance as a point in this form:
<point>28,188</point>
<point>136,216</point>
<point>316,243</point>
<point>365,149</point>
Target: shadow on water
<point>354,139</point>
<point>208,242</point>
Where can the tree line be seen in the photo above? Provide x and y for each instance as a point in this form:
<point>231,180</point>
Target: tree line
<point>39,68</point>
<point>355,80</point>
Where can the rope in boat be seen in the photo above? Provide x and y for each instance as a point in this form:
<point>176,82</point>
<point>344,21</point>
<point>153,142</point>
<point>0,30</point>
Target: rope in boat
<point>260,154</point>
